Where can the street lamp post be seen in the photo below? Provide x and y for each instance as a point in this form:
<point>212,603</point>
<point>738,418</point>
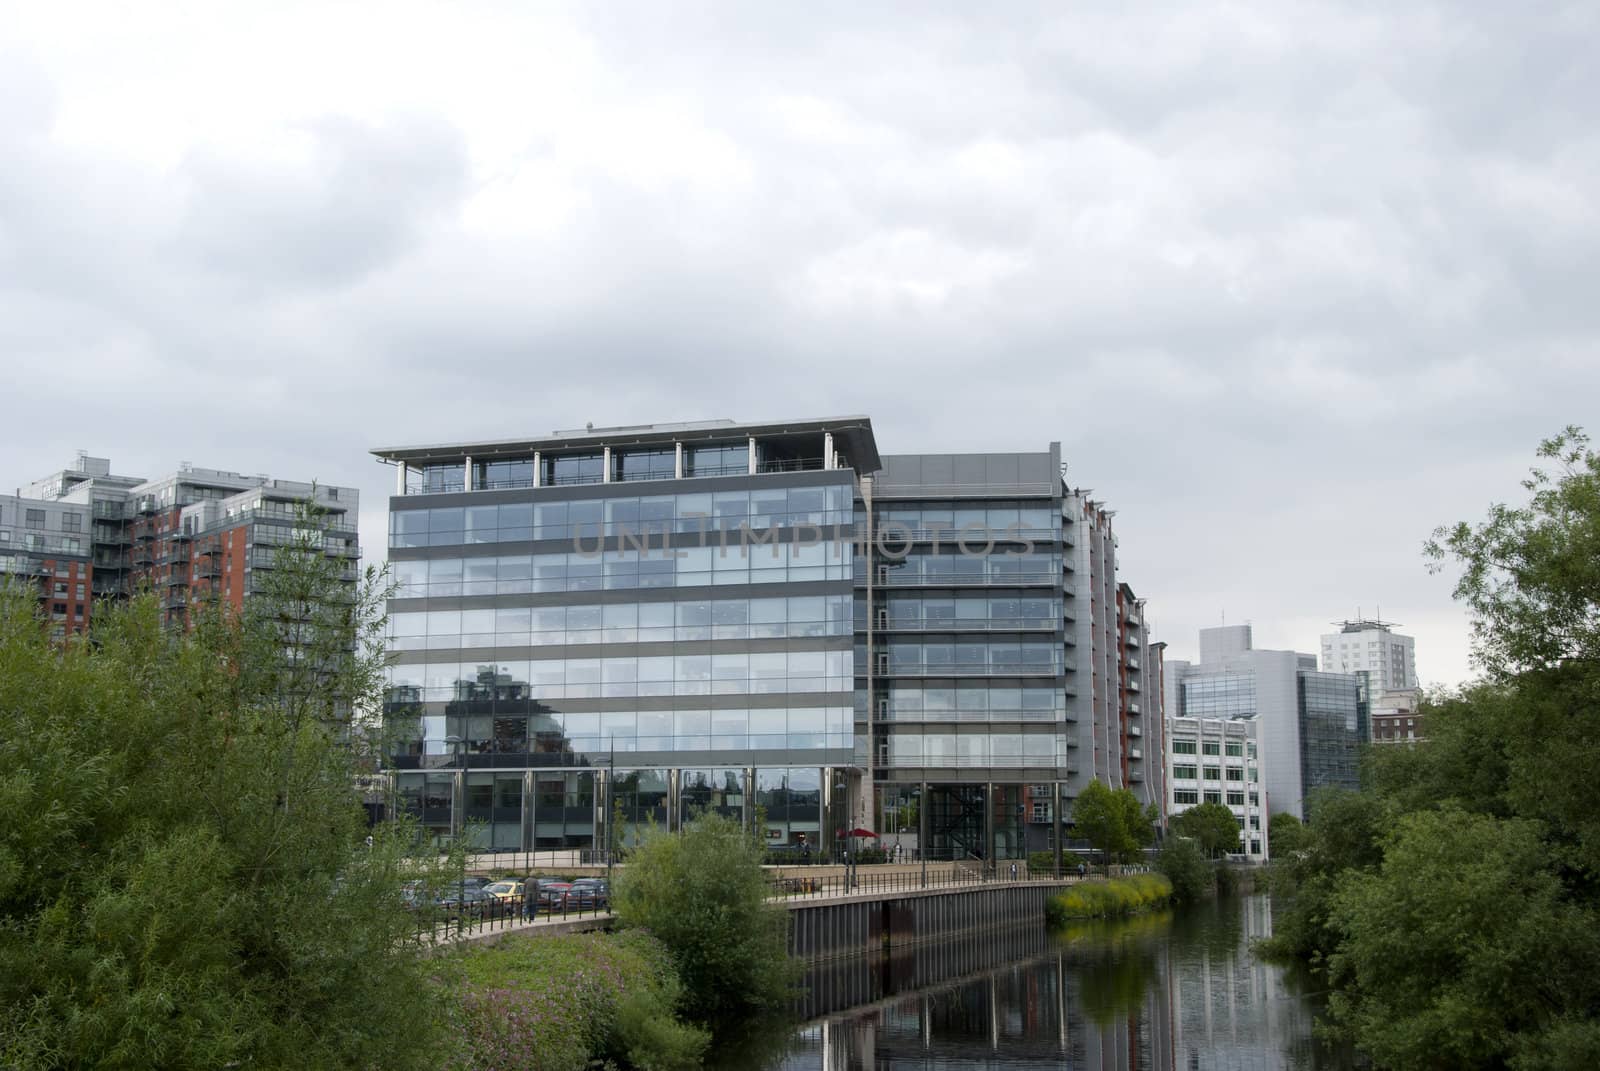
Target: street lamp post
<point>458,805</point>
<point>611,834</point>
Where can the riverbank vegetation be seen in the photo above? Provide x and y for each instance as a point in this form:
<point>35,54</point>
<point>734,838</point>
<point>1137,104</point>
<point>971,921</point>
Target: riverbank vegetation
<point>561,1003</point>
<point>1108,899</point>
<point>1454,906</point>
<point>704,894</point>
<point>186,879</point>
<point>700,956</point>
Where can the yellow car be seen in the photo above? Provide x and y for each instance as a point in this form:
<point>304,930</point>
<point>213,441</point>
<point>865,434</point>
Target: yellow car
<point>504,890</point>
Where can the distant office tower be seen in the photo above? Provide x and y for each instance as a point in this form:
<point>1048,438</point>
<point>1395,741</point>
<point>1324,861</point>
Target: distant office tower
<point>192,535</point>
<point>1310,722</point>
<point>766,619</point>
<point>1385,658</point>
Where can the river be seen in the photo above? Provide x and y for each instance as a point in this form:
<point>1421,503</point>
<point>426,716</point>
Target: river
<point>1164,992</point>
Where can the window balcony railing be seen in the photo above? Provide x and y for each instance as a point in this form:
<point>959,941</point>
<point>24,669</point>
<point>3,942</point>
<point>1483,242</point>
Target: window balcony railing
<point>1008,580</point>
<point>1004,624</point>
<point>574,479</point>
<point>963,762</point>
<point>694,472</point>
<point>892,532</point>
<point>791,464</point>
<point>641,477</point>
<point>973,669</point>
<point>976,717</point>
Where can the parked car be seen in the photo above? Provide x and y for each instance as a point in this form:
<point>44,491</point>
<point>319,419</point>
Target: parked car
<point>553,894</point>
<point>465,902</point>
<point>589,893</point>
<point>505,890</point>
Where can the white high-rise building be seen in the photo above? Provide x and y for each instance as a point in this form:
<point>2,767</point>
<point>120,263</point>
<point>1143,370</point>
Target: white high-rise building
<point>1373,648</point>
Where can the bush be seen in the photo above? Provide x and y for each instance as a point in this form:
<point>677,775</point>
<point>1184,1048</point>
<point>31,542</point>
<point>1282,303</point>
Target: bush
<point>556,1003</point>
<point>1185,865</point>
<point>1045,862</point>
<point>704,894</point>
<point>1108,899</point>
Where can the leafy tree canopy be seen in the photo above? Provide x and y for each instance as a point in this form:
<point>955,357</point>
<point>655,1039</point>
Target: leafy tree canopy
<point>704,894</point>
<point>1211,825</point>
<point>1113,821</point>
<point>184,878</point>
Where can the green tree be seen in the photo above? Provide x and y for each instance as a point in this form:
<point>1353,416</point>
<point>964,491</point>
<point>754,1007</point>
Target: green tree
<point>1184,864</point>
<point>1455,903</point>
<point>1286,835</point>
<point>184,879</point>
<point>703,893</point>
<point>1346,833</point>
<point>1212,826</point>
<point>1113,822</point>
<point>1457,949</point>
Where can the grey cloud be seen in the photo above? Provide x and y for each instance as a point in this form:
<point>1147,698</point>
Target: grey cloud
<point>354,199</point>
<point>1292,283</point>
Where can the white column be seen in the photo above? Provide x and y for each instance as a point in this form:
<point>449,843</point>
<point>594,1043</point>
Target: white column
<point>400,471</point>
<point>605,473</point>
<point>752,458</point>
<point>466,477</point>
<point>677,461</point>
<point>538,470</point>
<point>827,449</point>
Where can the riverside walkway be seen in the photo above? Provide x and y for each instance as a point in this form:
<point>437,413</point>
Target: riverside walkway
<point>798,888</point>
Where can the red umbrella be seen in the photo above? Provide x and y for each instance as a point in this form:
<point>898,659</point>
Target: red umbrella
<point>859,833</point>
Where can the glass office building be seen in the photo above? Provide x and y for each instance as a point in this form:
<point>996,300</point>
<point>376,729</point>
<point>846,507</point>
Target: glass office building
<point>643,622</point>
<point>758,619</point>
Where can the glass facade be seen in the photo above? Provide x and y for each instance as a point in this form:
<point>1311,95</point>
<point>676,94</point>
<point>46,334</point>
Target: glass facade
<point>567,653</point>
<point>660,623</point>
<point>1329,731</point>
<point>973,668</point>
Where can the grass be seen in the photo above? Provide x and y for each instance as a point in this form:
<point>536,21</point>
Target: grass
<point>1109,899</point>
<point>559,1003</point>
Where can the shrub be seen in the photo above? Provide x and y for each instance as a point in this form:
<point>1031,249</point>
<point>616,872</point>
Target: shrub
<point>555,1003</point>
<point>1184,864</point>
<point>1107,899</point>
<point>704,894</point>
<point>1045,862</point>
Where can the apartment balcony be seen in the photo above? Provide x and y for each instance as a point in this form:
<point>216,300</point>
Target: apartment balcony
<point>175,578</point>
<point>1131,663</point>
<point>207,569</point>
<point>1133,686</point>
<point>1133,708</point>
<point>791,464</point>
<point>146,505</point>
<point>1135,753</point>
<point>143,556</point>
<point>175,600</point>
<point>1134,730</point>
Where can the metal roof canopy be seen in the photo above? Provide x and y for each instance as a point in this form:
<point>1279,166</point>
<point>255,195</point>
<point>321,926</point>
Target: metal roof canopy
<point>854,434</point>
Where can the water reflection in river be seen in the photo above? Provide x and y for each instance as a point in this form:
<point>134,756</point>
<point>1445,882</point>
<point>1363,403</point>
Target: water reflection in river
<point>1160,992</point>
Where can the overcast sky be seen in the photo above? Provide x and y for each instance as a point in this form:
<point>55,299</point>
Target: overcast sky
<point>1291,283</point>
